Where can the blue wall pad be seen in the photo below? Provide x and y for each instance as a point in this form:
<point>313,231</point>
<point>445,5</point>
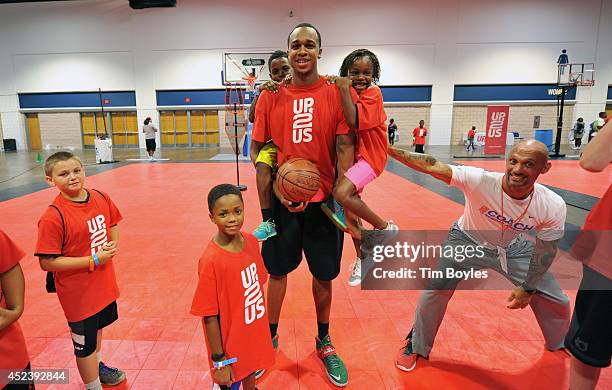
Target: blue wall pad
<point>216,97</point>
<point>508,92</point>
<point>77,99</point>
<point>610,92</point>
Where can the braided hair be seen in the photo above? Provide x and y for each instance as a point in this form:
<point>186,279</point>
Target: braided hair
<point>358,54</point>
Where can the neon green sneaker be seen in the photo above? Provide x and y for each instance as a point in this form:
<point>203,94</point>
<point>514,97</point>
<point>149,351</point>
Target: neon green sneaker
<point>336,370</point>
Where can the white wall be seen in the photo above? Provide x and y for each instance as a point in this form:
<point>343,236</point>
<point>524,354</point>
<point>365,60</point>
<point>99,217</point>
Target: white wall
<point>86,45</point>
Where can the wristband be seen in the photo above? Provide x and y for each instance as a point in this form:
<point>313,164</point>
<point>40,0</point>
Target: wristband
<point>96,260</point>
<point>92,266</point>
<point>224,363</point>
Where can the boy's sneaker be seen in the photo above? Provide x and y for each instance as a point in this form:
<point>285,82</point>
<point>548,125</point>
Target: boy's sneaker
<point>275,343</point>
<point>259,373</point>
<point>109,375</point>
<point>265,230</point>
<point>406,359</point>
<point>355,278</point>
<point>336,370</point>
<point>335,212</point>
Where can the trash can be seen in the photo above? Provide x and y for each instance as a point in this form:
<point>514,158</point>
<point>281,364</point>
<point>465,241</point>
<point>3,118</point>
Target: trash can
<point>546,137</point>
<point>10,145</point>
<point>104,150</point>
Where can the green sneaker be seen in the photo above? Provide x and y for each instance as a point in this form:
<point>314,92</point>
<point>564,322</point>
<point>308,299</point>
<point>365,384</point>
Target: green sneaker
<point>336,370</point>
<point>265,230</point>
<point>335,212</point>
<point>260,373</point>
<point>275,343</point>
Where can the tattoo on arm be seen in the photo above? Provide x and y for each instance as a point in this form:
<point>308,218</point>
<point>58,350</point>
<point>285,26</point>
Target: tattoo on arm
<point>543,255</point>
<point>422,163</point>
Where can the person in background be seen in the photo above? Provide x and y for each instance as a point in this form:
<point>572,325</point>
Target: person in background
<point>391,131</point>
<point>578,131</point>
<point>149,131</point>
<point>470,139</point>
<point>419,134</point>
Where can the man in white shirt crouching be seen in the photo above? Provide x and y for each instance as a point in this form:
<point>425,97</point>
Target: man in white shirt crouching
<point>499,208</point>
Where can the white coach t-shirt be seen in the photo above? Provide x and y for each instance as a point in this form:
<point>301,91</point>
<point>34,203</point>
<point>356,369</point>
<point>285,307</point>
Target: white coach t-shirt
<point>482,217</point>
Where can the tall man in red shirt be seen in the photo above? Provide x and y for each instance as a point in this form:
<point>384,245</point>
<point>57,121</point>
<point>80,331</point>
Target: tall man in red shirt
<point>305,119</point>
<point>419,134</point>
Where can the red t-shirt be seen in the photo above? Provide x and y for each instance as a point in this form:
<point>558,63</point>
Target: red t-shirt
<point>471,134</point>
<point>13,351</point>
<point>593,244</point>
<point>231,286</point>
<point>80,292</point>
<point>419,135</point>
<point>303,121</point>
<point>372,131</point>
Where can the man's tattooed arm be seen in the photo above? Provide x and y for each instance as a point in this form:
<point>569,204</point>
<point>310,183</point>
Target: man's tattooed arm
<point>423,163</point>
<point>543,255</point>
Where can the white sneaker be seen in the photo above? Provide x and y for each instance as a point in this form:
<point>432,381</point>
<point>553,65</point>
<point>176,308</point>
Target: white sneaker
<point>355,278</point>
<point>391,226</point>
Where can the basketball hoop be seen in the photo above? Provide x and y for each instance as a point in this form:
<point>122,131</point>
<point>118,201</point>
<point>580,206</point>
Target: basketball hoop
<point>250,79</point>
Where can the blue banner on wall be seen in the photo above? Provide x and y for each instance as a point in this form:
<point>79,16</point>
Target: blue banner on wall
<point>508,92</point>
<point>77,99</point>
<point>216,97</point>
<point>202,97</point>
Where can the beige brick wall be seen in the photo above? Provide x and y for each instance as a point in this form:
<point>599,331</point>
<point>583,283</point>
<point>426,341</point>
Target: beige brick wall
<point>521,120</point>
<point>407,118</point>
<point>60,130</point>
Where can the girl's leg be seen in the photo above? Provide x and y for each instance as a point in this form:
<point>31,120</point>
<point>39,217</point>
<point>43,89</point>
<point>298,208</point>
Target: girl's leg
<point>345,193</point>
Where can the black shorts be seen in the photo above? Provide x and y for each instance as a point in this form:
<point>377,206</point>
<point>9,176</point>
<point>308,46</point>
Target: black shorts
<point>151,145</point>
<point>309,231</point>
<point>85,332</point>
<point>589,337</point>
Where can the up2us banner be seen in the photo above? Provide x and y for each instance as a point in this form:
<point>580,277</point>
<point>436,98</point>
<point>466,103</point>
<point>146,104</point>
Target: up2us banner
<point>497,128</point>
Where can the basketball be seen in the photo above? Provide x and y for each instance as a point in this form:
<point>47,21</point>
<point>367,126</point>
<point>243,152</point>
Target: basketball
<point>298,180</point>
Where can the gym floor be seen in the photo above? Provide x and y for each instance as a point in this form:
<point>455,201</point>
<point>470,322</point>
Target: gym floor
<point>481,344</point>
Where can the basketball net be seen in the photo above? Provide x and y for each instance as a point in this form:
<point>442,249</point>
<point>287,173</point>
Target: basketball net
<point>235,115</point>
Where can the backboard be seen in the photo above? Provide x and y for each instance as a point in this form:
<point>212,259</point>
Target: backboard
<point>244,67</point>
<point>571,75</point>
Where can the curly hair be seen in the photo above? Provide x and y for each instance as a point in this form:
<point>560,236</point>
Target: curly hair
<point>357,54</point>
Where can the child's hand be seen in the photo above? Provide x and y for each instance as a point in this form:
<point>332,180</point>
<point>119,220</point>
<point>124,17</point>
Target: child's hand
<point>344,82</point>
<point>224,376</point>
<point>287,79</point>
<point>331,78</point>
<point>271,86</point>
<point>105,254</point>
<point>110,245</point>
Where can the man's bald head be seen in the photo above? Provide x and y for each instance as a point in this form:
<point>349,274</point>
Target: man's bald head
<point>531,146</point>
<point>526,161</point>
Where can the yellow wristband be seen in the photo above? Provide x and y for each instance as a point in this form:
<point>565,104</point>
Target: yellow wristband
<point>91,264</point>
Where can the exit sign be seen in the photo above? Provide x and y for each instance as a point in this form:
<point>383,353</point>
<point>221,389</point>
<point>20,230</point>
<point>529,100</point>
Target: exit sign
<point>106,101</point>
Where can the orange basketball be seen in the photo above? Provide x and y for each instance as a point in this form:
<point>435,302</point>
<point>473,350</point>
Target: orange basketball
<point>298,180</point>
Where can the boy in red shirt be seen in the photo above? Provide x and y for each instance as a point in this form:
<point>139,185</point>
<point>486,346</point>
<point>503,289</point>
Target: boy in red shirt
<point>305,119</point>
<point>419,134</point>
<point>229,296</point>
<point>265,159</point>
<point>77,239</point>
<point>470,139</point>
<point>13,352</point>
<point>363,110</point>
